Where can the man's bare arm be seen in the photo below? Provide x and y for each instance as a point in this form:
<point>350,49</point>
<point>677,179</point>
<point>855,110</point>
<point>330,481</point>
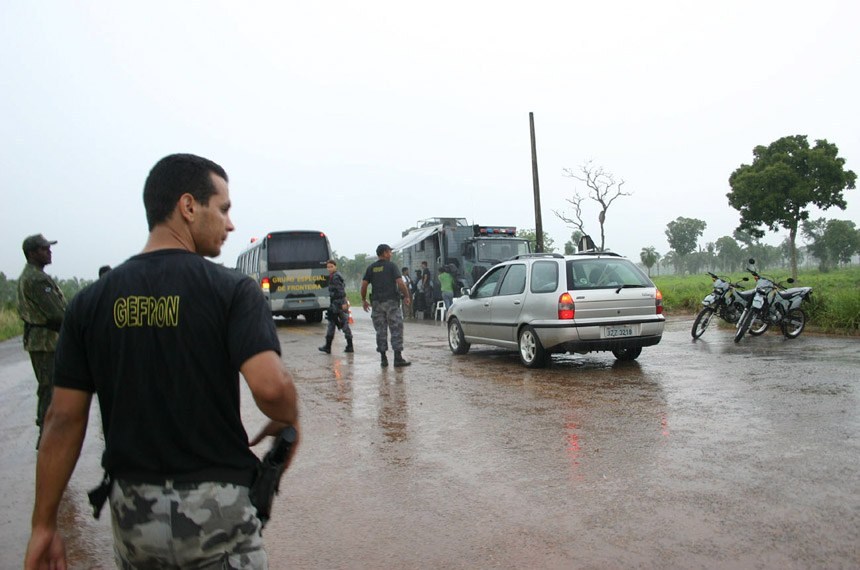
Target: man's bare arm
<point>59,449</point>
<point>273,390</point>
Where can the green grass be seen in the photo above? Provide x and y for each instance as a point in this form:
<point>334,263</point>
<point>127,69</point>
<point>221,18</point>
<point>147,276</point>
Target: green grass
<point>10,324</point>
<point>833,308</point>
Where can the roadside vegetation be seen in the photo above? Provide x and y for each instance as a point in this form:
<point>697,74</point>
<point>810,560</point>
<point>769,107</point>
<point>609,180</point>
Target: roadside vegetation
<point>10,324</point>
<point>833,308</point>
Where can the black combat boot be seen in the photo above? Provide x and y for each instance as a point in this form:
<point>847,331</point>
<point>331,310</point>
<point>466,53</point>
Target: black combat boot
<point>384,361</point>
<point>327,347</point>
<point>399,360</point>
<point>348,345</point>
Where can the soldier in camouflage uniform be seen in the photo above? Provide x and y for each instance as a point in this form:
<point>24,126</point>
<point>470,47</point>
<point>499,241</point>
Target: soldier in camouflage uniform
<point>338,309</point>
<point>161,340</point>
<point>41,306</point>
<point>387,288</point>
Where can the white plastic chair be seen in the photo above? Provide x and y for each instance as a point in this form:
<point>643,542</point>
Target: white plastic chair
<point>440,311</point>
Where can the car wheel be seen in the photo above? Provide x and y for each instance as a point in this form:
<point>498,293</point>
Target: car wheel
<point>627,354</point>
<point>532,353</point>
<point>456,341</point>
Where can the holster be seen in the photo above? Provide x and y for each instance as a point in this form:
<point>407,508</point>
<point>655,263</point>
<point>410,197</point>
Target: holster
<point>99,495</point>
<point>268,477</point>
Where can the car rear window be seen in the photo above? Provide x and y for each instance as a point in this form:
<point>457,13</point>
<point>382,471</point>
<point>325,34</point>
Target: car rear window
<point>603,273</point>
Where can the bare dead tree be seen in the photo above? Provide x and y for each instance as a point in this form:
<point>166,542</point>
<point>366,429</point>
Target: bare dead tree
<point>602,188</point>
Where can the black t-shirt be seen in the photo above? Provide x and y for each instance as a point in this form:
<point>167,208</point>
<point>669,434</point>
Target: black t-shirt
<point>160,339</point>
<point>382,276</point>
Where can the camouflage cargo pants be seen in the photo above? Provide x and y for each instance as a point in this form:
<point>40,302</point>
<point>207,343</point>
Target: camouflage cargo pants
<point>386,315</point>
<point>191,525</point>
<point>43,367</point>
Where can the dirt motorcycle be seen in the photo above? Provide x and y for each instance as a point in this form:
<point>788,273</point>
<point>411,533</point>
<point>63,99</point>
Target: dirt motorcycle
<point>774,304</point>
<point>727,300</point>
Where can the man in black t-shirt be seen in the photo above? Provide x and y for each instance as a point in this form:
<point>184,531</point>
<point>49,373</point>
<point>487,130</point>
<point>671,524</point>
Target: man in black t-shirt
<point>387,288</point>
<point>161,341</point>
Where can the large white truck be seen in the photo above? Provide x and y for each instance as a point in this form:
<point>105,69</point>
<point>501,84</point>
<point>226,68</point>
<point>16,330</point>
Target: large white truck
<point>468,250</point>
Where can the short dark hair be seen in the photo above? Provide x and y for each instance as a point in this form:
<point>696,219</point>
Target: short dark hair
<point>332,261</point>
<point>404,269</point>
<point>382,248</point>
<point>173,176</point>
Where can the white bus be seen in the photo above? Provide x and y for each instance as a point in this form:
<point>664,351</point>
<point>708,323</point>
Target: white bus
<point>290,268</point>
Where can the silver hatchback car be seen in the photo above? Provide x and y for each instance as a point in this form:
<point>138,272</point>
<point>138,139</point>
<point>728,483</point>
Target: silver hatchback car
<point>540,304</point>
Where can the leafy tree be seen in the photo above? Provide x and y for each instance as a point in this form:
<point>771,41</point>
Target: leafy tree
<point>602,188</point>
<point>649,257</point>
<point>765,255</point>
<point>843,240</point>
<point>353,269</point>
<point>531,236</point>
<point>672,258</point>
<point>572,245</point>
<point>8,291</point>
<point>813,231</point>
<point>730,256</point>
<point>71,287</point>
<point>684,233</point>
<point>785,250</point>
<point>831,241</point>
<point>783,181</point>
<point>698,261</point>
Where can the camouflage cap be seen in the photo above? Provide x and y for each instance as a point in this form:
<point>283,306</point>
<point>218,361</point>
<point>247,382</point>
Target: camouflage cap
<point>32,243</point>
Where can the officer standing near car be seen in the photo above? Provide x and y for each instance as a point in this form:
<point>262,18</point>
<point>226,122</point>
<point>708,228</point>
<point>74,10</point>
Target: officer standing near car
<point>41,305</point>
<point>385,281</point>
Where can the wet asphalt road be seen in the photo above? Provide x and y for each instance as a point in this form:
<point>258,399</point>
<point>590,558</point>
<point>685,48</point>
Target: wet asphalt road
<point>701,454</point>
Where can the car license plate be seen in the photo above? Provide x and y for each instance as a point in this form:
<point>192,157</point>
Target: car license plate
<point>620,331</point>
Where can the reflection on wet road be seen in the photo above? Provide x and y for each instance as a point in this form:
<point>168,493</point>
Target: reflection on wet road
<point>700,454</point>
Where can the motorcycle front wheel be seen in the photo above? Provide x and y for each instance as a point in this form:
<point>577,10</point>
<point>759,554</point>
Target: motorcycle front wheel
<point>701,322</point>
<point>759,326</point>
<point>744,324</point>
<point>793,323</point>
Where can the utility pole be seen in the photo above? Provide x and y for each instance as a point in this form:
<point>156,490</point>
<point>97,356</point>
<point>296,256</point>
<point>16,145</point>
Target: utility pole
<point>538,220</point>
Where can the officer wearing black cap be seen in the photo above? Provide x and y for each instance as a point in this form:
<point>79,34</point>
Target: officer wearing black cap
<point>41,305</point>
<point>387,287</point>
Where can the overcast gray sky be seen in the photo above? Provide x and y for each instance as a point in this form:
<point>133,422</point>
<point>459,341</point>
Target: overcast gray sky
<point>360,118</point>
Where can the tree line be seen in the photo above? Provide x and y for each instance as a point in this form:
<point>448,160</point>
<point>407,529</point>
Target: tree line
<point>9,289</point>
<point>776,191</point>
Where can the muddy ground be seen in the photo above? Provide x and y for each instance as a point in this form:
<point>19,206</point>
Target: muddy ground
<point>705,454</point>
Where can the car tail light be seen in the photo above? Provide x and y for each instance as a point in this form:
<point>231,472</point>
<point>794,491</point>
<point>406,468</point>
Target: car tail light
<point>566,309</point>
<point>264,284</point>
<point>658,301</point>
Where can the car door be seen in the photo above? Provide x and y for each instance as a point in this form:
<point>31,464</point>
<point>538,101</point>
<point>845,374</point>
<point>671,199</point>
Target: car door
<point>507,304</point>
<point>475,312</point>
